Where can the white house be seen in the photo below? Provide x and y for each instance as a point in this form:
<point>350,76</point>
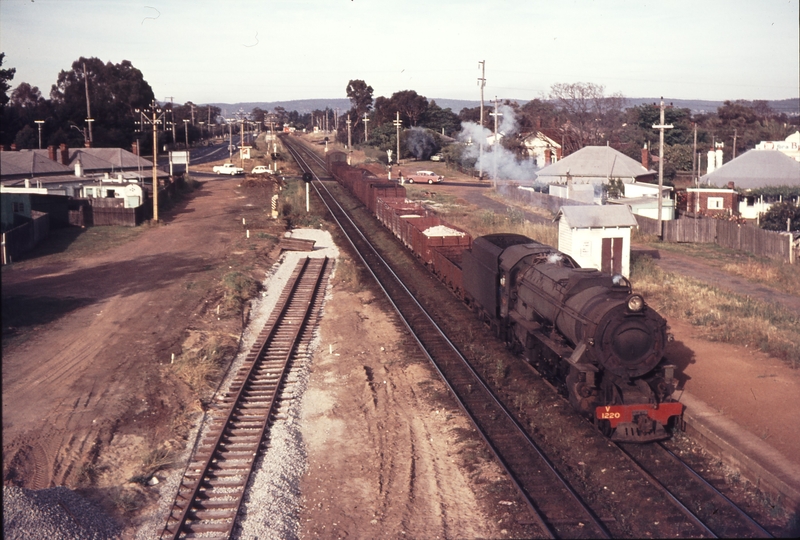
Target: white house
<point>790,146</point>
<point>542,149</point>
<point>597,236</point>
<point>642,199</point>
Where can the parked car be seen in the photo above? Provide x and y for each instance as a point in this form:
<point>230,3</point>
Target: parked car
<point>261,169</point>
<point>437,157</point>
<point>424,176</point>
<point>228,168</point>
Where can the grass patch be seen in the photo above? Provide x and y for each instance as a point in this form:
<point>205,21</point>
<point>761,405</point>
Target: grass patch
<point>201,369</point>
<point>512,221</point>
<point>765,271</point>
<point>293,207</point>
<point>238,289</point>
<point>723,316</point>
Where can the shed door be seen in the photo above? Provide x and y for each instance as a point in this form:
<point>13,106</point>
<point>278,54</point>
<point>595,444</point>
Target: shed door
<point>611,261</point>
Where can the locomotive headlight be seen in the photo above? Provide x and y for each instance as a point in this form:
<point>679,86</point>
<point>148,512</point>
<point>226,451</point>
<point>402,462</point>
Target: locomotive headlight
<point>635,303</point>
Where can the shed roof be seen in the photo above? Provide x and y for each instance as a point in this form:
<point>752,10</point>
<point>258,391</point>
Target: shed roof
<point>593,217</point>
<point>596,162</point>
<point>756,169</point>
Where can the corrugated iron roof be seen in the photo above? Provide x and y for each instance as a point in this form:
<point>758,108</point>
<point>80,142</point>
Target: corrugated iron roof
<point>596,162</point>
<point>756,169</point>
<point>595,217</point>
<point>30,163</point>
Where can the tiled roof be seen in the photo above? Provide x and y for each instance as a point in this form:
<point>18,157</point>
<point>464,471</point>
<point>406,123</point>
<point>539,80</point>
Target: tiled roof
<point>590,217</point>
<point>596,162</point>
<point>756,169</point>
<point>107,159</point>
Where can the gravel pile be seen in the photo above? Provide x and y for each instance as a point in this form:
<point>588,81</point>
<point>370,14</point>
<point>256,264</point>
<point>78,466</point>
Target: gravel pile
<point>53,514</point>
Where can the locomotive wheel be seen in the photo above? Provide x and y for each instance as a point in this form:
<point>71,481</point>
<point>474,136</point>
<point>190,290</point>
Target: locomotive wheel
<point>604,426</point>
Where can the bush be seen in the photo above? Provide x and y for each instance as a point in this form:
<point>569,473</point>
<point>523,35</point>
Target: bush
<point>775,218</point>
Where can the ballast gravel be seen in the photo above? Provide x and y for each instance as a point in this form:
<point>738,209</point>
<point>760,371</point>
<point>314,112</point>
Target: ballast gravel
<point>53,514</point>
<point>272,500</point>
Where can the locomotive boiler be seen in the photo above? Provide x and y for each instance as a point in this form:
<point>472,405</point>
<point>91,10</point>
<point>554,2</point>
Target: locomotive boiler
<point>586,331</point>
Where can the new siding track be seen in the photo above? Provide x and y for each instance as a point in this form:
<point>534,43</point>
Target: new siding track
<point>217,475</point>
<point>555,506</point>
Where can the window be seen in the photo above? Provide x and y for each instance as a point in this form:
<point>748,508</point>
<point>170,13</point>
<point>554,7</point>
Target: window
<point>715,203</point>
<point>18,207</point>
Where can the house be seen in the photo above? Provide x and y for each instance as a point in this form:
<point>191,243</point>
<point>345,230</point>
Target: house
<point>789,146</point>
<point>730,188</point>
<point>542,147</point>
<point>642,199</point>
<point>597,236</point>
<point>595,166</point>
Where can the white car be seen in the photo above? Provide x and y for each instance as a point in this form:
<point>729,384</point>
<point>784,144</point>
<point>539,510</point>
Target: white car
<point>437,157</point>
<point>261,169</point>
<point>228,168</point>
<point>424,176</point>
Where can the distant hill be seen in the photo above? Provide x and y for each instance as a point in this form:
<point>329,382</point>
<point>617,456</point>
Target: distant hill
<point>698,106</point>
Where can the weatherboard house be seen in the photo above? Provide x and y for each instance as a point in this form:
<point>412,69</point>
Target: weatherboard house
<point>597,236</point>
<point>577,175</point>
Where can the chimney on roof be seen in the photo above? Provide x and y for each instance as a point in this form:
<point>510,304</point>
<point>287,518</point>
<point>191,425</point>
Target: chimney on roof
<point>730,185</point>
<point>64,154</point>
<point>78,168</point>
<point>135,148</point>
<point>646,157</point>
<point>558,154</point>
<point>14,147</point>
<point>87,143</point>
<point>548,156</point>
<point>51,153</point>
<point>538,124</point>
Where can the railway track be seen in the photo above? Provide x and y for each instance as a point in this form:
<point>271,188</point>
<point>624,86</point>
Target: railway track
<point>712,513</point>
<point>557,509</point>
<point>216,477</point>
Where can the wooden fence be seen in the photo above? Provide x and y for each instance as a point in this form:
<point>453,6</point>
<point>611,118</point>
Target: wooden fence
<point>749,238</point>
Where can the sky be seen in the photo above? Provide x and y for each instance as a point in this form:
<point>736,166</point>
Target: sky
<point>213,51</point>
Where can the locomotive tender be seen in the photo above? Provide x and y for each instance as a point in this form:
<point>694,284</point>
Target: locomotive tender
<point>584,330</point>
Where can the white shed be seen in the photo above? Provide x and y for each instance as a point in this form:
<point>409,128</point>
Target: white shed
<point>597,236</point>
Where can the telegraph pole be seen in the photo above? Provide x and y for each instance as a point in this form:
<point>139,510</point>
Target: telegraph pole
<point>155,120</point>
<point>661,127</point>
<point>366,132</point>
<point>398,123</point>
<point>494,150</point>
<point>88,105</point>
<point>349,139</point>
<point>481,83</point>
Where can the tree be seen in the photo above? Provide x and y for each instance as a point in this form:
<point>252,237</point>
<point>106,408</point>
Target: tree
<point>593,117</point>
<point>775,218</point>
<point>115,91</point>
<point>360,96</point>
<point>5,76</point>
<point>439,119</point>
<point>410,105</point>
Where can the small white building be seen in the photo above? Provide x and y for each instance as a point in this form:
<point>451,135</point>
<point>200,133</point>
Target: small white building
<point>132,194</point>
<point>597,236</point>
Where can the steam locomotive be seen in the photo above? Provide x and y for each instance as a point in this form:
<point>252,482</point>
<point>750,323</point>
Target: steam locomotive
<point>585,331</point>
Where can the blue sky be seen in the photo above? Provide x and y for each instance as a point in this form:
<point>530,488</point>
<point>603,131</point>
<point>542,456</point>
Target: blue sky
<point>270,50</point>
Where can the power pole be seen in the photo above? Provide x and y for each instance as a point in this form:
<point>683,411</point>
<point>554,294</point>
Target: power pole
<point>734,143</point>
<point>366,132</point>
<point>349,135</point>
<point>695,161</point>
<point>398,123</point>
<point>661,127</point>
<point>88,104</point>
<point>481,83</point>
<point>494,150</point>
<point>152,115</point>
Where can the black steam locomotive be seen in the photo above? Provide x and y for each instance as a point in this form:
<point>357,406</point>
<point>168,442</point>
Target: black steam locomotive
<point>585,331</point>
<point>582,329</point>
